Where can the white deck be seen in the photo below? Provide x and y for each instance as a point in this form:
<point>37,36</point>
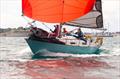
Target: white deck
<point>69,40</point>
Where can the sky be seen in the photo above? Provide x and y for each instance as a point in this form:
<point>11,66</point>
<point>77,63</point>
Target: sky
<point>10,14</point>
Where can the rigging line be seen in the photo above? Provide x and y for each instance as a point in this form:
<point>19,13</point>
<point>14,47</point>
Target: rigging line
<point>25,18</point>
<point>47,27</point>
<point>28,22</point>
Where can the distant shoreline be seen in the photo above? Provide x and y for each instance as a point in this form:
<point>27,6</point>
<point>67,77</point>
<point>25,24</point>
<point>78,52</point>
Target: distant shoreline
<point>25,33</point>
<point>15,34</point>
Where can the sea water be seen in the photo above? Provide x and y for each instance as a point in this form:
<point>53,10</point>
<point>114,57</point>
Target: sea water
<point>16,62</point>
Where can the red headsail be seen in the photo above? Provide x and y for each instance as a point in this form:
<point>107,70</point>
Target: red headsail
<point>56,11</point>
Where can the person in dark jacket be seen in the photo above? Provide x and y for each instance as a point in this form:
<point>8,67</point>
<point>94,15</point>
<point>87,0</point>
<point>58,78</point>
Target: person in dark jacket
<point>80,35</point>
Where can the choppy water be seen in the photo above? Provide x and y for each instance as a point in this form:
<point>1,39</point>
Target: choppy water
<point>16,62</point>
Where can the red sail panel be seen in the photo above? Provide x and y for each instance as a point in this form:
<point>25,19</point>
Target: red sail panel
<point>26,8</point>
<point>56,11</point>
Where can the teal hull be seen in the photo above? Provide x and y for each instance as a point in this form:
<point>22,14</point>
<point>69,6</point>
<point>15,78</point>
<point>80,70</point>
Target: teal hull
<point>38,47</point>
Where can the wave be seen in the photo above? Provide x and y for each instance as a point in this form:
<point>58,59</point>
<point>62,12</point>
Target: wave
<point>26,54</point>
<point>103,52</point>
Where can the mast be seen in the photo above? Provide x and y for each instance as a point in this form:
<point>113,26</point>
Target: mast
<point>61,24</point>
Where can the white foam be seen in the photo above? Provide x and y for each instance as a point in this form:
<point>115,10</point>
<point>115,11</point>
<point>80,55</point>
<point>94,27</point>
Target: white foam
<point>115,51</point>
<point>103,53</point>
<point>27,51</point>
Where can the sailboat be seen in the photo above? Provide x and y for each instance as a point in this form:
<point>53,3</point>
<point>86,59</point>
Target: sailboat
<point>76,13</point>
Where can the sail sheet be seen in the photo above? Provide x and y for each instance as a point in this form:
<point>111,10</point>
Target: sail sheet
<point>56,11</point>
<point>93,19</point>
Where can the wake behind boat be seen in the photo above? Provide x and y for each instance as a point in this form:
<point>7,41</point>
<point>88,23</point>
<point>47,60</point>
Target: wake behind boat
<point>85,14</point>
